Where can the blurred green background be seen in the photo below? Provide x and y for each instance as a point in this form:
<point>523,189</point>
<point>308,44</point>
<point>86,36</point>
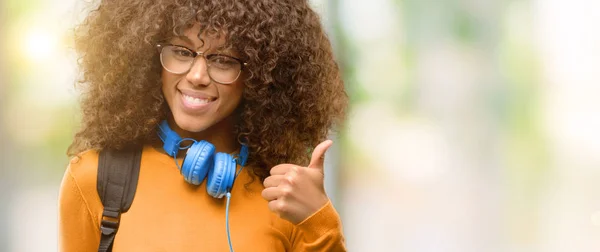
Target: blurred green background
<point>473,123</point>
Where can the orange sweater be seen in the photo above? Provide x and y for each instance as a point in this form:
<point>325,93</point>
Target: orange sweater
<point>168,214</point>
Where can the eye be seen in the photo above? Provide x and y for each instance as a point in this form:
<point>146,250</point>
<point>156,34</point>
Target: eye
<point>181,53</point>
<point>223,62</point>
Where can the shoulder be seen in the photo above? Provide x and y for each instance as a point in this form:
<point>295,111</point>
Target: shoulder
<point>79,181</point>
<point>84,166</point>
<point>79,205</point>
<point>83,169</point>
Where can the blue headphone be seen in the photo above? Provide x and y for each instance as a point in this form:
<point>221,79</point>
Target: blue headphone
<point>201,159</point>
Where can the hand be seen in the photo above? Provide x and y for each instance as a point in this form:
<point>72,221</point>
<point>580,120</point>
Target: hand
<point>295,192</point>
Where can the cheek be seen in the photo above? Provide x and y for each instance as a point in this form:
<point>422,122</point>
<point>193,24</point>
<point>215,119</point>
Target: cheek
<point>237,92</point>
<point>232,96</point>
<point>168,81</point>
<point>165,78</point>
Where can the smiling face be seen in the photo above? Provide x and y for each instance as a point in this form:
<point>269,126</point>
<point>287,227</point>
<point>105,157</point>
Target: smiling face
<point>199,105</point>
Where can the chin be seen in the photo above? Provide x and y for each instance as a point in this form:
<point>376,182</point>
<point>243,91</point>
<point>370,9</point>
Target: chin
<point>195,128</point>
<point>191,124</point>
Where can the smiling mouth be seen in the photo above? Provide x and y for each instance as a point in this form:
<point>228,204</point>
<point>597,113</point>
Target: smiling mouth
<point>197,101</point>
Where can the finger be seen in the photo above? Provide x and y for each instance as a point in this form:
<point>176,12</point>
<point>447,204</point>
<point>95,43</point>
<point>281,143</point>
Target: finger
<point>276,206</point>
<point>318,155</point>
<point>281,169</point>
<point>271,193</point>
<point>273,181</point>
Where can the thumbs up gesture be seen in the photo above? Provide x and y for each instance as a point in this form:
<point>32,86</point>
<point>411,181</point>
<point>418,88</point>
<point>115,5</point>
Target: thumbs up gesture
<point>296,192</point>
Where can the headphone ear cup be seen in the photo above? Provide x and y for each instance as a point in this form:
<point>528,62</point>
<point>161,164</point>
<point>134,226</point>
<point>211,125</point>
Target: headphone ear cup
<point>220,178</point>
<point>197,162</point>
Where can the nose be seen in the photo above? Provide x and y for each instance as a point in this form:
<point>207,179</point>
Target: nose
<point>198,74</point>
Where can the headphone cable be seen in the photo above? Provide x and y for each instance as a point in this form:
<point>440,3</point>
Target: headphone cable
<point>228,195</point>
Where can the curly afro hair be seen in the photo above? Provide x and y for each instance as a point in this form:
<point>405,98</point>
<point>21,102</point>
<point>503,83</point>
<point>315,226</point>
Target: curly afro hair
<point>294,94</point>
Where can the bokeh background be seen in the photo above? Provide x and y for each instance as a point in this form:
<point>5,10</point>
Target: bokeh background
<point>474,124</point>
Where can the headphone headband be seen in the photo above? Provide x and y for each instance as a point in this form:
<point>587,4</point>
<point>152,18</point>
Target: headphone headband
<point>243,156</point>
<point>172,140</point>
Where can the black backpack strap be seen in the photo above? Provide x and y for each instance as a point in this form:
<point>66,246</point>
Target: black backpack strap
<point>118,172</point>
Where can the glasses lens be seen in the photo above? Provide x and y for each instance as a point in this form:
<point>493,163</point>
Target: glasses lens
<point>221,68</point>
<point>176,59</point>
<point>224,69</point>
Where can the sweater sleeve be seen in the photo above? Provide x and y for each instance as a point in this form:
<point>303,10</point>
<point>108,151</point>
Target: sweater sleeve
<point>78,230</point>
<point>322,231</point>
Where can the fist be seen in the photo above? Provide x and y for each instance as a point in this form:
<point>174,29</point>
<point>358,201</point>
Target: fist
<point>295,192</point>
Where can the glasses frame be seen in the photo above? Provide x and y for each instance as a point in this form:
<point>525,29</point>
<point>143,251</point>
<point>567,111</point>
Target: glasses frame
<point>161,46</point>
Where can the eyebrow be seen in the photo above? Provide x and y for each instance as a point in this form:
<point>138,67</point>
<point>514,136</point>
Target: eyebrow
<point>222,49</point>
<point>184,38</point>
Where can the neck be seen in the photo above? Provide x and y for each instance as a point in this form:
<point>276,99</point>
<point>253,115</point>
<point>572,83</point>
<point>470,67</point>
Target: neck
<point>221,135</point>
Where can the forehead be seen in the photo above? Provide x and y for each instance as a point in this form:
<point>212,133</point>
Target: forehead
<point>201,39</point>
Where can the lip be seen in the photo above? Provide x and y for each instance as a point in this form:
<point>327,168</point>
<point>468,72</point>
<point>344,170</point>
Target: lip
<point>198,95</point>
<point>193,108</point>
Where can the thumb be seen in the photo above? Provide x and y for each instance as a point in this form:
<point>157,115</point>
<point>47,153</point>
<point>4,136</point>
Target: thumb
<point>318,155</point>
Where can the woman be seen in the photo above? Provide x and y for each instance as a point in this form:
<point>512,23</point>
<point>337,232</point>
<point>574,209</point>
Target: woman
<point>242,75</point>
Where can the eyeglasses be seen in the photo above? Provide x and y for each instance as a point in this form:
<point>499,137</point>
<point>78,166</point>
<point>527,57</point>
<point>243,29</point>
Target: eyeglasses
<point>223,69</point>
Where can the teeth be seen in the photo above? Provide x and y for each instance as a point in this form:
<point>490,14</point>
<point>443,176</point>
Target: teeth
<point>196,101</point>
